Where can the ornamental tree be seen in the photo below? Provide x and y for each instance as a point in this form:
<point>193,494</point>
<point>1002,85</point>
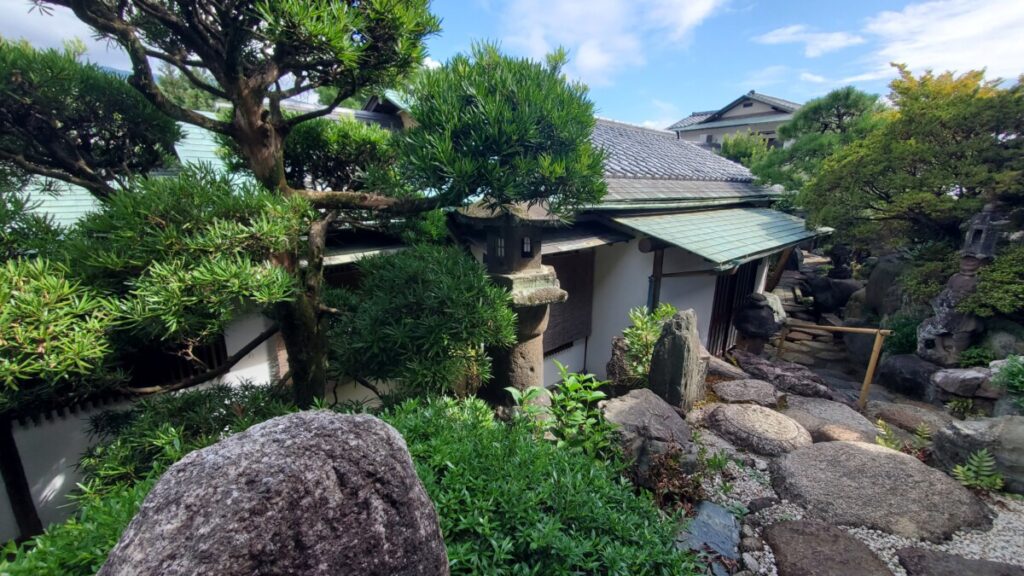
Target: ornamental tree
<point>260,53</point>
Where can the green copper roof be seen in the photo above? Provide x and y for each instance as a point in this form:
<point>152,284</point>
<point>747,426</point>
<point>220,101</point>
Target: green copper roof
<point>727,238</point>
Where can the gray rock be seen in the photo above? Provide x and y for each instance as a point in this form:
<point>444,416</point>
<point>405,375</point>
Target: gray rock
<point>750,562</point>
<point>855,307</point>
<point>961,381</point>
<point>882,293</point>
<point>758,504</point>
<point>808,548</point>
<point>712,527</point>
<point>859,346</point>
<point>724,370</point>
<point>677,371</point>
<point>747,392</point>
<point>828,421</point>
<point>908,416</point>
<point>755,318</point>
<point>646,427</point>
<point>942,337</point>
<point>751,544</point>
<point>920,562</point>
<point>785,376</point>
<point>309,493</point>
<point>1003,437</point>
<point>860,484</point>
<point>1007,406</point>
<point>758,429</point>
<point>830,294</point>
<point>907,374</point>
<point>1003,343</point>
<point>617,368</point>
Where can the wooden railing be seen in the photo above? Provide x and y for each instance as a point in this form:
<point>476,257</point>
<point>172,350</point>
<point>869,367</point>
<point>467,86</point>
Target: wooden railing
<point>876,350</point>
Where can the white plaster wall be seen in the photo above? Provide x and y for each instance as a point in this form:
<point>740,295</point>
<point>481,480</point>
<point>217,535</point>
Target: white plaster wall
<point>695,291</point>
<point>258,366</point>
<point>620,283</point>
<point>700,136</point>
<point>755,109</point>
<point>572,358</point>
<point>49,453</point>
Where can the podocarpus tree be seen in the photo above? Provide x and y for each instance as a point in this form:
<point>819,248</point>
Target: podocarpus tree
<point>261,53</point>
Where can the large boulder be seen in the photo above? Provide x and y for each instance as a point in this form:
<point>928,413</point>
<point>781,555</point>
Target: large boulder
<point>309,493</point>
<point>860,484</point>
<point>785,376</point>
<point>828,421</point>
<point>755,318</point>
<point>882,294</point>
<point>908,374</point>
<point>747,392</point>
<point>961,381</point>
<point>859,346</point>
<point>646,427</point>
<point>921,562</point>
<point>908,416</point>
<point>809,548</point>
<point>1003,437</point>
<point>758,429</point>
<point>830,294</point>
<point>677,366</point>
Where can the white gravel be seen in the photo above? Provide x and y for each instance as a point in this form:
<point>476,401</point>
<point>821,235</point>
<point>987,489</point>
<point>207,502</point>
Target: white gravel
<point>741,483</point>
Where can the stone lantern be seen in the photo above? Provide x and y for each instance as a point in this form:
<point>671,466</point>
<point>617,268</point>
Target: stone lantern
<point>513,259</point>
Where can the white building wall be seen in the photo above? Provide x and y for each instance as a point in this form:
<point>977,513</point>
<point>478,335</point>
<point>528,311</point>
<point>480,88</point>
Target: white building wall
<point>695,291</point>
<point>620,283</point>
<point>573,358</point>
<point>258,366</point>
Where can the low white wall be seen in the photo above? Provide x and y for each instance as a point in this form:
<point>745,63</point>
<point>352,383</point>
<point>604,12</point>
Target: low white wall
<point>572,358</point>
<point>258,366</point>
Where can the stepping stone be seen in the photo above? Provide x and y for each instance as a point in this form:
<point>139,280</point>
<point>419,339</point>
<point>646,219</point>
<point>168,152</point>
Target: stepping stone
<point>758,429</point>
<point>860,484</point>
<point>785,376</point>
<point>797,357</point>
<point>828,421</point>
<point>908,416</point>
<point>797,336</point>
<point>919,562</point>
<point>713,528</point>
<point>747,392</point>
<point>808,548</point>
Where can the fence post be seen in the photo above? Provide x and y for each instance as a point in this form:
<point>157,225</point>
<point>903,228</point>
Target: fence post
<point>872,364</point>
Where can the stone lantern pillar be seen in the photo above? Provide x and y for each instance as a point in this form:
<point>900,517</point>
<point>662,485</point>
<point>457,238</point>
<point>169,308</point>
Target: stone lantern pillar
<point>513,260</point>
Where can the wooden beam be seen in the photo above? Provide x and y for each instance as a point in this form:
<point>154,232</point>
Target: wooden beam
<point>659,264</point>
<point>780,267</point>
<point>865,388</point>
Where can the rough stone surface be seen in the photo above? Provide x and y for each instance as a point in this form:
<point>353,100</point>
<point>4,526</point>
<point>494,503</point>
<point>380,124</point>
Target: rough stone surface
<point>961,381</point>
<point>920,562</point>
<point>758,429</point>
<point>747,392</point>
<point>1003,437</point>
<point>309,493</point>
<point>677,372</point>
<point>908,416</point>
<point>828,421</point>
<point>882,293</point>
<point>646,426</point>
<point>713,527</point>
<point>755,318</point>
<point>907,374</point>
<point>942,337</point>
<point>830,294</point>
<point>785,376</point>
<point>617,368</point>
<point>809,548</point>
<point>860,484</point>
<point>724,370</point>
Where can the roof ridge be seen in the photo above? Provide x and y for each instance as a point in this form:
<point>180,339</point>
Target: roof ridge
<point>658,131</point>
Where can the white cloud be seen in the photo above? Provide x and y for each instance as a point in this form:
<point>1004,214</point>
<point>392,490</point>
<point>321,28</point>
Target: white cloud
<point>815,43</point>
<point>603,36</point>
<point>430,63</point>
<point>812,78</point>
<point>765,77</point>
<point>667,114</point>
<point>958,35</point>
<point>50,31</point>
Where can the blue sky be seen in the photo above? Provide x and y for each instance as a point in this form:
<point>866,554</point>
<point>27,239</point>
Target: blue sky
<point>654,61</point>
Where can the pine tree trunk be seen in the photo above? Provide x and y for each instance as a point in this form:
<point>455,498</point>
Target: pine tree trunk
<point>306,343</point>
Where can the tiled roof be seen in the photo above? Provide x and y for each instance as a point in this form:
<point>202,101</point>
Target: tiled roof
<point>737,121</point>
<point>647,193</point>
<point>637,152</point>
<point>726,238</point>
<point>694,118</point>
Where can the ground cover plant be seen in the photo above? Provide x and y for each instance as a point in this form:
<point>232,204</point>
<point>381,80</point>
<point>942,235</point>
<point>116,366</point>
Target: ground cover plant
<point>509,502</point>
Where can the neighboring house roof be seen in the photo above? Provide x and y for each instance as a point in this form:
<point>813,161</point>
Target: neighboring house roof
<point>726,238</point>
<point>693,118</point>
<point>711,119</point>
<point>647,169</point>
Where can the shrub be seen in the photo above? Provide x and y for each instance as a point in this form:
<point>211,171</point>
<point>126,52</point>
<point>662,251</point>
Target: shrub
<point>976,356</point>
<point>1000,285</point>
<point>979,472</point>
<point>511,504</point>
<point>931,265</point>
<point>903,339</point>
<point>642,335</point>
<point>420,317</point>
<point>576,422</point>
<point>1011,378</point>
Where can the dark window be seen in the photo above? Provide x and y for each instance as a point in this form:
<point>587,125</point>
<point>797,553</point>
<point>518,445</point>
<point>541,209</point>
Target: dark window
<point>748,104</point>
<point>570,320</point>
<point>499,248</point>
<point>527,247</point>
<point>709,138</point>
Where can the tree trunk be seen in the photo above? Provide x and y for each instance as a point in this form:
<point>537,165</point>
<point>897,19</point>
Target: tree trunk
<point>306,342</point>
<point>18,492</point>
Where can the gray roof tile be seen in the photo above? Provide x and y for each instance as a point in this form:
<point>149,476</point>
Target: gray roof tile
<point>636,152</point>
